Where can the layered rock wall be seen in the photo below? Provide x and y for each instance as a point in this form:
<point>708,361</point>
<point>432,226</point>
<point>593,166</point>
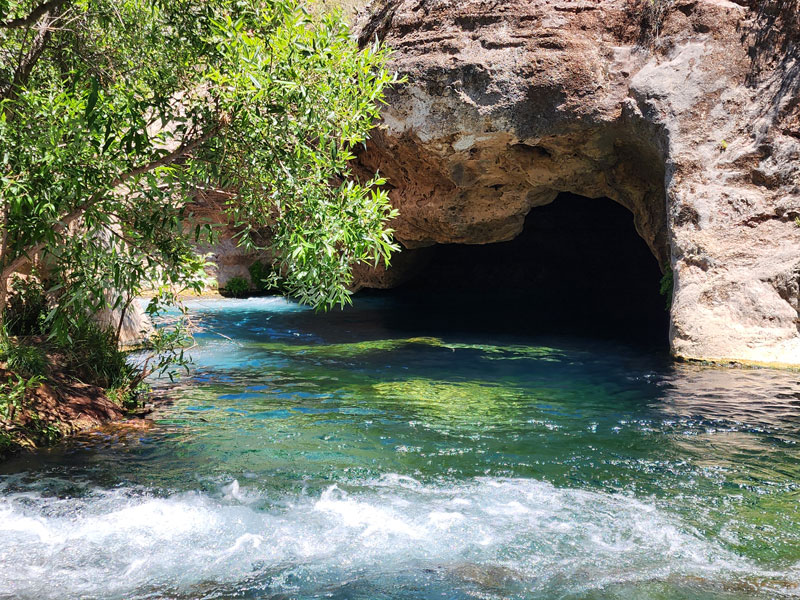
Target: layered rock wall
<point>694,126</point>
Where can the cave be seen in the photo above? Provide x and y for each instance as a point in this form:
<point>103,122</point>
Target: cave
<point>578,267</point>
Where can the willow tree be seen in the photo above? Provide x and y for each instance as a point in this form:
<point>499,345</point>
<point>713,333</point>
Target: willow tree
<point>116,114</point>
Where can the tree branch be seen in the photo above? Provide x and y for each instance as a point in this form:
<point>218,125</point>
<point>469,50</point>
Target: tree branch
<point>28,61</point>
<point>34,16</point>
<point>135,246</point>
<point>122,319</point>
<point>67,220</point>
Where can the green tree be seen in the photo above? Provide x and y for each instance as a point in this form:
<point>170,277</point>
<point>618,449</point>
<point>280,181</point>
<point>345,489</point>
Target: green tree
<point>116,114</point>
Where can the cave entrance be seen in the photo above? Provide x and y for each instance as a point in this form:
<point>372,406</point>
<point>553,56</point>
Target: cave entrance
<point>579,267</point>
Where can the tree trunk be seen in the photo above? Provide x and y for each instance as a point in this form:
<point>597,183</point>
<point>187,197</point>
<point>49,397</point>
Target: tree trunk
<point>3,258</point>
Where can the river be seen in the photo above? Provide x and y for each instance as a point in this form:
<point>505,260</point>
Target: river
<point>350,456</point>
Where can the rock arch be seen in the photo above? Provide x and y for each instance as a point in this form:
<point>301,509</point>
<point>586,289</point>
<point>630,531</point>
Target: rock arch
<point>508,103</point>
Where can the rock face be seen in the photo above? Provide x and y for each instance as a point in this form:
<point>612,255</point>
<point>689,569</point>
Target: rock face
<point>135,326</point>
<point>692,122</point>
<point>226,258</point>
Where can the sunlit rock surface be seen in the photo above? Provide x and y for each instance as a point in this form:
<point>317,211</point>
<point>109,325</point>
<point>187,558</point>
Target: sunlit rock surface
<point>132,323</point>
<point>695,130</point>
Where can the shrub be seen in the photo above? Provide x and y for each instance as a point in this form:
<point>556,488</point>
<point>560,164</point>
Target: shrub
<point>93,355</point>
<point>26,307</point>
<point>12,395</point>
<point>42,431</point>
<point>260,275</point>
<point>24,359</point>
<point>667,285</point>
<point>20,425</point>
<point>127,394</point>
<point>7,444</point>
<point>21,358</point>
<point>237,287</point>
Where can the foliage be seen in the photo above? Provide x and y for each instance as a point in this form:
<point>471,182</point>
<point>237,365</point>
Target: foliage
<point>13,393</point>
<point>169,342</point>
<point>94,356</point>
<point>319,229</point>
<point>89,351</point>
<point>237,287</point>
<point>667,286</point>
<point>14,401</point>
<point>26,308</point>
<point>7,443</point>
<point>25,359</point>
<point>128,394</point>
<point>260,275</point>
<point>41,431</point>
<point>115,114</point>
<point>20,357</point>
<point>348,7</point>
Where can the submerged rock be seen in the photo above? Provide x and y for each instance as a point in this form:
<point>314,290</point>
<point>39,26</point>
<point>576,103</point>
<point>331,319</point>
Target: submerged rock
<point>692,122</point>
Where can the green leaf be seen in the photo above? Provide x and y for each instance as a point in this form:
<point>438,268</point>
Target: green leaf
<point>91,101</point>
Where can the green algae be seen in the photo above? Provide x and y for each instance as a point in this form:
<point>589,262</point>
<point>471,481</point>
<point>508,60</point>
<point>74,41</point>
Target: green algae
<point>354,349</point>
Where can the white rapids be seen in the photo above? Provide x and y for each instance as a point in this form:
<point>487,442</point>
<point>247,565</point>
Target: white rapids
<point>126,543</point>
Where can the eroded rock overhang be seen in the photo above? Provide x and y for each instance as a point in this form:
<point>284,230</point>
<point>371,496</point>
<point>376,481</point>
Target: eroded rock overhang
<point>509,103</point>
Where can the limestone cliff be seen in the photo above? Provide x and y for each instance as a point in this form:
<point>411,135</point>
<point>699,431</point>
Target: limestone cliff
<point>690,119</point>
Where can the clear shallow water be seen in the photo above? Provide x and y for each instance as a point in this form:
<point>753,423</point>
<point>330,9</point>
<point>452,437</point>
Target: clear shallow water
<point>345,456</point>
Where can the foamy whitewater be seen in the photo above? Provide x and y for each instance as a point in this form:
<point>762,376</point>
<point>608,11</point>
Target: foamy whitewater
<point>129,544</point>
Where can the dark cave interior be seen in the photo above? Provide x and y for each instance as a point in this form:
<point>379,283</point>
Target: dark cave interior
<point>579,267</point>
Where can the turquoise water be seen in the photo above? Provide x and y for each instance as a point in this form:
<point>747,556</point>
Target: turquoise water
<point>370,454</point>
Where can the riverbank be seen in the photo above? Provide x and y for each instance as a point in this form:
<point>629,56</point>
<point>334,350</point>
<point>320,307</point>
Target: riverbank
<point>48,397</point>
<point>49,393</point>
<point>49,410</point>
